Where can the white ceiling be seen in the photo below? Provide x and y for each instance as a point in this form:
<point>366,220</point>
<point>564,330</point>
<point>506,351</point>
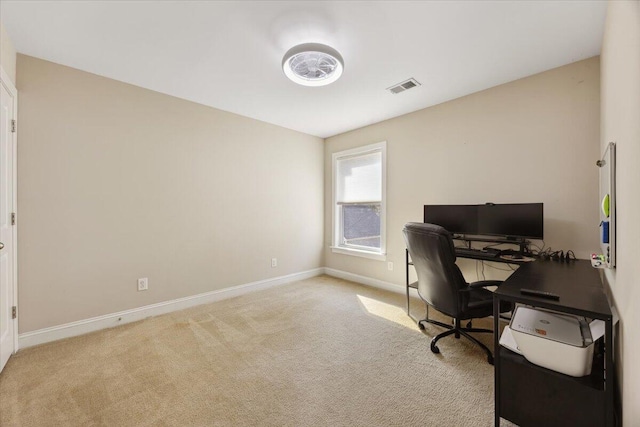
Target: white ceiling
<point>228,54</point>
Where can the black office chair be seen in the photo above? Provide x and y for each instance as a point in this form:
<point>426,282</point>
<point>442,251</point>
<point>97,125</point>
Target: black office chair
<point>442,285</point>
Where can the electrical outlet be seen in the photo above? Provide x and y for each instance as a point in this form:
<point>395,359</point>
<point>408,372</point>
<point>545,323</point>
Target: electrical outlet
<point>143,284</point>
<point>274,262</point>
<point>390,266</point>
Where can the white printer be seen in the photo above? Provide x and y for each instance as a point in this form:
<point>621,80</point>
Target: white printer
<point>555,341</point>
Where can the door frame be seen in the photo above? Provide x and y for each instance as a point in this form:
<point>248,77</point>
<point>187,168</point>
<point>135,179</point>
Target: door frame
<point>8,84</point>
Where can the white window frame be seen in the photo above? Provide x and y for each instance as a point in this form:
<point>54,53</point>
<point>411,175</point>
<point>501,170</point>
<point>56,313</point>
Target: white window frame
<point>336,247</point>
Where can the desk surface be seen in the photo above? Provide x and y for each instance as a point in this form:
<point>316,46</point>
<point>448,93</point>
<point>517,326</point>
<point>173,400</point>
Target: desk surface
<point>577,283</point>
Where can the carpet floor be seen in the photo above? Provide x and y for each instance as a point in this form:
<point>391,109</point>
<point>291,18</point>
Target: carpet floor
<point>319,352</point>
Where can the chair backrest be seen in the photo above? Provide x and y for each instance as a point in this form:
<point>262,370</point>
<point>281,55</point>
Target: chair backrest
<point>434,258</point>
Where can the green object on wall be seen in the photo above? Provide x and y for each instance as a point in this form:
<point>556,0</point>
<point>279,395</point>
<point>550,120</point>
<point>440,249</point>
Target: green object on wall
<point>605,206</point>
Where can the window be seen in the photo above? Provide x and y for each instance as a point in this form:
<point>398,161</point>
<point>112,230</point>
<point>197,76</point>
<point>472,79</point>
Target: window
<point>359,177</point>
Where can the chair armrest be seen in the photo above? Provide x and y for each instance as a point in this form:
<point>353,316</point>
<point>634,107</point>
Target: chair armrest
<point>484,284</point>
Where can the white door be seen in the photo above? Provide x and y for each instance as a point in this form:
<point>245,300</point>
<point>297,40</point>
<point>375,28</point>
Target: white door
<point>7,255</point>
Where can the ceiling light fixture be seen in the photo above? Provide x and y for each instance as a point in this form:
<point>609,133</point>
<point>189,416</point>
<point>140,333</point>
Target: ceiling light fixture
<point>312,64</point>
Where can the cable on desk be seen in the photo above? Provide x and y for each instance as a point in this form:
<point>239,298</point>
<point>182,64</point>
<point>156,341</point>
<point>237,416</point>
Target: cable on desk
<point>540,249</point>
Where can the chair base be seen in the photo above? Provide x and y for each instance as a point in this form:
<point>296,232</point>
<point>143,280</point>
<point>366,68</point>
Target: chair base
<point>457,330</point>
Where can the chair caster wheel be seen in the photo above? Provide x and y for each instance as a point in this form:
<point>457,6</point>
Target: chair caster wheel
<point>469,325</point>
<point>421,326</point>
<point>490,360</point>
<point>435,349</point>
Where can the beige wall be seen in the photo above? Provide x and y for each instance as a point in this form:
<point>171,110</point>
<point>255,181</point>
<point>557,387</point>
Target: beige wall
<point>532,140</point>
<point>621,124</point>
<point>117,182</point>
<point>7,54</point>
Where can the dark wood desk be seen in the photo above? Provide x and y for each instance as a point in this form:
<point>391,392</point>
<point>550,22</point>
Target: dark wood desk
<point>530,395</point>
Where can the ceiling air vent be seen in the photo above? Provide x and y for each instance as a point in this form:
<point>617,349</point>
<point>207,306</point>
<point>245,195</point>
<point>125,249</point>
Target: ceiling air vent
<point>405,85</point>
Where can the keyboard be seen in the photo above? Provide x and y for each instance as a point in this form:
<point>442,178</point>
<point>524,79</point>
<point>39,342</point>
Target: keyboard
<point>476,252</point>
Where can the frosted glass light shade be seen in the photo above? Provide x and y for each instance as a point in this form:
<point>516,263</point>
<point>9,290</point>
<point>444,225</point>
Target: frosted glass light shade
<point>312,64</point>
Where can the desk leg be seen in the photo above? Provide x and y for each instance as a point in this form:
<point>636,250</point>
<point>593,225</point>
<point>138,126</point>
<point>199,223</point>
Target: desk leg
<point>496,358</point>
<point>609,372</point>
<point>406,264</point>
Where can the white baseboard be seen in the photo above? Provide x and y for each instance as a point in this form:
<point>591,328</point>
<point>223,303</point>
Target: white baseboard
<point>81,327</point>
<point>369,281</point>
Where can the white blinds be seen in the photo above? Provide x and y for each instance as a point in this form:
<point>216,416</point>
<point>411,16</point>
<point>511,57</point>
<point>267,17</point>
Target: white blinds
<point>360,178</point>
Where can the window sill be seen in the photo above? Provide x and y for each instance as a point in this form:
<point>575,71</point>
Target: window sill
<point>356,252</point>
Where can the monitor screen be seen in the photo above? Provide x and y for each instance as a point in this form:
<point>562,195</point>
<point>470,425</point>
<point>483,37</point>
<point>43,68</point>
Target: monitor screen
<point>521,220</point>
<point>511,220</point>
<point>456,219</point>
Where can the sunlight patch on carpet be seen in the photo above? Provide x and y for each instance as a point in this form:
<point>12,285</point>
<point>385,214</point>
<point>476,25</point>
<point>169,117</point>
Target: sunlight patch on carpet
<point>387,311</point>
